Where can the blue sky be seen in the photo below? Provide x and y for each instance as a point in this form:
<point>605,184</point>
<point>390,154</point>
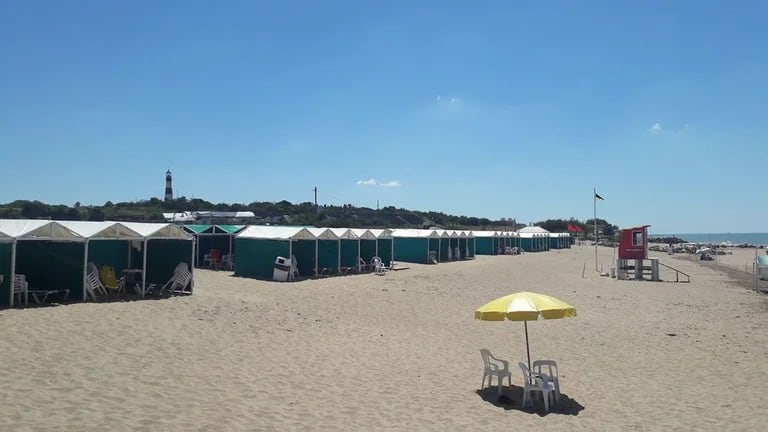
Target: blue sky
<point>494,109</point>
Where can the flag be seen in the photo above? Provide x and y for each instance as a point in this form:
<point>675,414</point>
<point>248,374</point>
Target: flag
<point>571,228</point>
<point>598,197</point>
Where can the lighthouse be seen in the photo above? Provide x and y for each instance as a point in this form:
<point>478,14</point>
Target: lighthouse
<point>168,186</point>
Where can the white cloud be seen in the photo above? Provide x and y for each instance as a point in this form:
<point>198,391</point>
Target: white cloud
<point>656,128</point>
<point>437,98</point>
<point>453,100</point>
<point>392,183</point>
<point>369,182</point>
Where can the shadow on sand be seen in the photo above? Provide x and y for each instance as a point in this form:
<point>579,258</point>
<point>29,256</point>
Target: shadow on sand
<point>512,399</point>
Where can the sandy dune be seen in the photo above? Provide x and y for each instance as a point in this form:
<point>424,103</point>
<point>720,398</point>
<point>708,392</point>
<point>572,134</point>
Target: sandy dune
<point>393,352</point>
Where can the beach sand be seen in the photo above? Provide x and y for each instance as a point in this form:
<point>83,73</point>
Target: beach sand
<point>394,352</point>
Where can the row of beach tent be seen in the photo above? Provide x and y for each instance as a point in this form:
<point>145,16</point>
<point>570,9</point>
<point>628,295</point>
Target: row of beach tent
<point>55,255</point>
<point>340,250</point>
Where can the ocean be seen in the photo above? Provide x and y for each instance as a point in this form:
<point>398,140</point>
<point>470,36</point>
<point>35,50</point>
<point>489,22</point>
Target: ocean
<point>734,238</point>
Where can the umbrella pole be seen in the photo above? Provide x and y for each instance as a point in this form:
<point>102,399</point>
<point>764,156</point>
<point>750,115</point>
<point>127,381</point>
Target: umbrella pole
<point>527,347</point>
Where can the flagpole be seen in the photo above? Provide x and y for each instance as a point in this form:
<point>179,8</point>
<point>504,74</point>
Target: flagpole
<point>594,203</point>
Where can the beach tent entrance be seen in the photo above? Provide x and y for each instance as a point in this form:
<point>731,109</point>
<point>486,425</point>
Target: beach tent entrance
<point>219,237</point>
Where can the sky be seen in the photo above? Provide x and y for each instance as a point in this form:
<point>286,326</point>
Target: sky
<point>489,108</point>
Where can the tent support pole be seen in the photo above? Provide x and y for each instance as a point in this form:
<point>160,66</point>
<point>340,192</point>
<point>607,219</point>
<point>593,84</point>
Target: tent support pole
<point>13,270</point>
<point>85,271</point>
<point>144,268</point>
<point>338,267</point>
<point>317,259</point>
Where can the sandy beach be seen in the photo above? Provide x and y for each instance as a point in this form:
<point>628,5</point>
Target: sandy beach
<point>395,352</point>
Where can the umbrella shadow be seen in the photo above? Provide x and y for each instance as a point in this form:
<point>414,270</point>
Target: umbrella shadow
<point>512,399</point>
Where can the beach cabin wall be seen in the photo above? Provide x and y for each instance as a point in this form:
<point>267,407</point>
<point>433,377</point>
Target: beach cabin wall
<point>486,243</point>
<point>258,247</point>
<point>349,248</point>
<point>385,247</point>
<point>434,246</point>
<point>445,246</point>
<point>256,257</point>
<point>368,244</point>
<point>411,245</point>
<point>327,250</point>
<point>470,243</point>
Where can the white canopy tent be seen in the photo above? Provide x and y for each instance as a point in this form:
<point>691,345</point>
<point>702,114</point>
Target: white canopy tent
<point>15,230</point>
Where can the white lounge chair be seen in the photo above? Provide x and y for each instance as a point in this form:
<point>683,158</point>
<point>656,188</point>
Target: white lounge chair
<point>181,282</point>
<point>495,367</point>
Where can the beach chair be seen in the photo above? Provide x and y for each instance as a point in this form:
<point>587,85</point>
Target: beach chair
<point>215,258</point>
<point>228,261</point>
<point>180,282</point>
<point>294,274</point>
<point>538,383</point>
<point>110,281</point>
<point>93,286</point>
<point>548,368</point>
<point>20,288</point>
<point>362,265</point>
<point>377,265</point>
<point>494,367</point>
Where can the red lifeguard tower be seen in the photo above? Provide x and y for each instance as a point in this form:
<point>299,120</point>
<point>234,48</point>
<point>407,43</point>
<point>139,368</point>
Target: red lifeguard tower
<point>633,245</point>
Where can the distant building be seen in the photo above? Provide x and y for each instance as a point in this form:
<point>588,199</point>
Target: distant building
<point>211,217</point>
<point>168,186</point>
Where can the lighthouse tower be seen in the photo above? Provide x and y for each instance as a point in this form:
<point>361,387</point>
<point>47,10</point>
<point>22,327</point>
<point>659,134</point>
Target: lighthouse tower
<point>168,187</point>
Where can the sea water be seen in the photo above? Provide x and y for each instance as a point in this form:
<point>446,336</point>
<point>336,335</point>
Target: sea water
<point>733,238</point>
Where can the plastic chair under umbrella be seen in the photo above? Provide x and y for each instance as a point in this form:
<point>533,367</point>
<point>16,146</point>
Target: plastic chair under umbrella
<point>525,306</point>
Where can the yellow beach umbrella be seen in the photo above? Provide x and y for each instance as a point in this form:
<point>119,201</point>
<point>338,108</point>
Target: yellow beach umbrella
<point>525,306</point>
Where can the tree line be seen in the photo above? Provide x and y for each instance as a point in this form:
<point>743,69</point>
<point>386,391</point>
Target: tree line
<point>305,213</point>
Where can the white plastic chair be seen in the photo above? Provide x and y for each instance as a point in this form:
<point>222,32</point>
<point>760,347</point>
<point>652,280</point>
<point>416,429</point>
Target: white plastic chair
<point>378,265</point>
<point>21,288</point>
<point>361,265</point>
<point>228,261</point>
<point>538,383</point>
<point>494,367</point>
<point>548,368</point>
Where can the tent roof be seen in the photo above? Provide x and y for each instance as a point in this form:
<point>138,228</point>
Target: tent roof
<point>36,229</point>
<point>82,230</point>
<point>323,233</point>
<point>415,233</point>
<point>363,234</point>
<point>112,230</point>
<point>344,233</point>
<point>197,228</point>
<point>157,230</point>
<point>533,229</point>
<point>486,234</point>
<point>231,229</point>
<point>267,232</point>
<point>381,233</point>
